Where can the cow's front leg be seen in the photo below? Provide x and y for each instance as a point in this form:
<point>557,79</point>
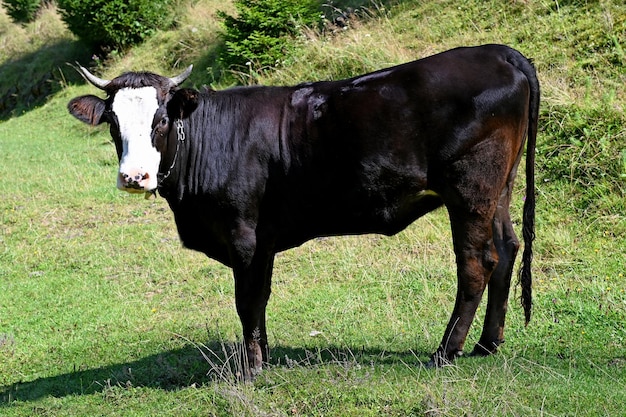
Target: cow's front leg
<point>252,291</point>
<point>476,257</point>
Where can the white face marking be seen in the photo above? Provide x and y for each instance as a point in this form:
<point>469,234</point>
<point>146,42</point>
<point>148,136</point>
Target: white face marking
<point>135,109</point>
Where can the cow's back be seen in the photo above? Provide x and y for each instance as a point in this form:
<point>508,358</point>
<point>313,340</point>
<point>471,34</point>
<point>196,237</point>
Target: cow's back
<point>369,154</point>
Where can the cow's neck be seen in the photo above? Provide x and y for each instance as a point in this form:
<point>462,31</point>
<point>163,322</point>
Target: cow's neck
<point>173,159</point>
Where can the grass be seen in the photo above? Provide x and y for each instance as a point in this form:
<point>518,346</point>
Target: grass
<point>102,313</point>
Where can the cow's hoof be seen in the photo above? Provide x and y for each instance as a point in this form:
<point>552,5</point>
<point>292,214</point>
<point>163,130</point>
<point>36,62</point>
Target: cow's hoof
<point>248,374</point>
<point>486,349</point>
<point>440,359</point>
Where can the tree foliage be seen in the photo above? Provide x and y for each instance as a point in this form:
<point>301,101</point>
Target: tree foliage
<point>116,24</point>
<point>22,11</point>
<point>263,31</point>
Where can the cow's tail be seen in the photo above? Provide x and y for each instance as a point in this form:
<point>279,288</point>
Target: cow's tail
<point>528,228</point>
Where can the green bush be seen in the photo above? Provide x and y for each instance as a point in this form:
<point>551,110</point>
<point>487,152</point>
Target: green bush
<point>22,11</point>
<point>116,24</point>
<point>264,31</point>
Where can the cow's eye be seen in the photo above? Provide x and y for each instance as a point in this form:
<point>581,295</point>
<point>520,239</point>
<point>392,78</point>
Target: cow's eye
<point>164,122</point>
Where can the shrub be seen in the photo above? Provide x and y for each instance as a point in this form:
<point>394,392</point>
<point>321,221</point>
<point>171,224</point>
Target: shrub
<point>263,32</point>
<point>22,11</point>
<point>115,24</point>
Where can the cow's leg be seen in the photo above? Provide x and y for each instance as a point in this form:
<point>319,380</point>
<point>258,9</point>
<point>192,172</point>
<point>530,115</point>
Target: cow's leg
<point>476,258</point>
<point>507,246</point>
<point>252,292</point>
<point>253,278</point>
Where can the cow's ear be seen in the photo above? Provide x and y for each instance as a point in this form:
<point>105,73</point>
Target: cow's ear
<point>88,109</point>
<point>183,103</point>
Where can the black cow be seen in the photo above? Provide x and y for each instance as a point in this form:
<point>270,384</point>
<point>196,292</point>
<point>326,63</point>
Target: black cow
<point>252,171</point>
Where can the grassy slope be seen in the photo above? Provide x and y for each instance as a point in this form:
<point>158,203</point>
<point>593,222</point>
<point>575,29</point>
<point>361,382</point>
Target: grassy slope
<point>102,313</point>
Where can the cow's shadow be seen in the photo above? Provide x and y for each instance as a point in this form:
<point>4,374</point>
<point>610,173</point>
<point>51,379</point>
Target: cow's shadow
<point>193,364</point>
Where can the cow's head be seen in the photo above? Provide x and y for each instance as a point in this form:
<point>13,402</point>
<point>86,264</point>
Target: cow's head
<point>136,111</point>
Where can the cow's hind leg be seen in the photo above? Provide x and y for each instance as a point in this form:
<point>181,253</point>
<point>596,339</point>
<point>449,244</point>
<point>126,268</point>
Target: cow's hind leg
<point>476,257</point>
<point>507,246</point>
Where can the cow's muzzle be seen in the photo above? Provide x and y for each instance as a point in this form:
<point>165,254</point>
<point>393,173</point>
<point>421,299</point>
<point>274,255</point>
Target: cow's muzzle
<point>134,182</point>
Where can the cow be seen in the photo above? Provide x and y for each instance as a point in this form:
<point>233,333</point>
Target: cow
<point>252,171</point>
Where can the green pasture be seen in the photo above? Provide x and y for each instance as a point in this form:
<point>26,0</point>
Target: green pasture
<point>103,313</point>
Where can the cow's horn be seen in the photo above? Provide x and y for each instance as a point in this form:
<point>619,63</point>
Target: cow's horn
<point>178,80</point>
<point>98,82</point>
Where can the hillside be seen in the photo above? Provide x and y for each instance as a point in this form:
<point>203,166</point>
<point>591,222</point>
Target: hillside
<point>103,313</point>
<point>578,49</point>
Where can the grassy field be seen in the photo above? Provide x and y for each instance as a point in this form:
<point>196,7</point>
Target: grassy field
<point>102,313</point>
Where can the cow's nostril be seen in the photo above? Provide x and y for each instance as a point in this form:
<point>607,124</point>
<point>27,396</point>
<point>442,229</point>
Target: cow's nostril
<point>135,179</point>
